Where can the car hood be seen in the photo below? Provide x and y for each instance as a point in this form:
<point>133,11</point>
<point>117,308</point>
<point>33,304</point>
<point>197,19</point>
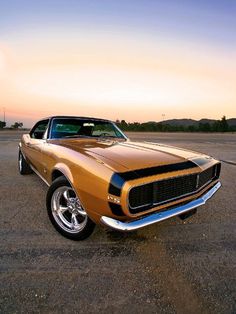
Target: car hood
<point>129,155</point>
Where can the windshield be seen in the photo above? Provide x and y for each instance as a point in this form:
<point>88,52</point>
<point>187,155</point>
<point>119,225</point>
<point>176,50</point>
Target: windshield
<point>67,128</point>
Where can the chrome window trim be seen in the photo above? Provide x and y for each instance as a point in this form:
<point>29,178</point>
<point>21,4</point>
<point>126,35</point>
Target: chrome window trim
<point>45,136</point>
<point>116,127</point>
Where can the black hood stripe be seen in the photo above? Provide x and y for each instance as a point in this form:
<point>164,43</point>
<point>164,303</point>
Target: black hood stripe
<point>116,184</point>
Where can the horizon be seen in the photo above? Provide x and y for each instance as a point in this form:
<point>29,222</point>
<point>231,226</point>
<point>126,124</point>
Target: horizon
<point>141,62</point>
<point>9,123</point>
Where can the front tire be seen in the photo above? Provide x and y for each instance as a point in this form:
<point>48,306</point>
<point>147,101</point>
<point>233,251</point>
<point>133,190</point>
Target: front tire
<point>23,166</point>
<point>66,212</point>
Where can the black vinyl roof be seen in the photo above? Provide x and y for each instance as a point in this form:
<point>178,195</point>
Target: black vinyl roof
<point>75,117</point>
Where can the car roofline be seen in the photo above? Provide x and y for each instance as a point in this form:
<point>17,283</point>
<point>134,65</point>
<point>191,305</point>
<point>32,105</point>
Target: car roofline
<point>74,117</point>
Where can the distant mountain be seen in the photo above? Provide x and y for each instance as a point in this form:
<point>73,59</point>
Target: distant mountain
<point>180,122</point>
<point>181,125</point>
<point>189,122</point>
<point>210,121</point>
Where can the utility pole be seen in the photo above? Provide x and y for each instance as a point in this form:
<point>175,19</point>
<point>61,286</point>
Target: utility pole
<point>163,117</point>
<point>4,115</point>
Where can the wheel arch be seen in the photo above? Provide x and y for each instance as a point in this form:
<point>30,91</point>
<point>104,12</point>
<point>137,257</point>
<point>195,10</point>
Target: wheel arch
<point>62,170</point>
<point>56,174</point>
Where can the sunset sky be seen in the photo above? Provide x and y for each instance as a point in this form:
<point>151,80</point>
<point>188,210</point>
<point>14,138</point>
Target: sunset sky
<point>132,60</point>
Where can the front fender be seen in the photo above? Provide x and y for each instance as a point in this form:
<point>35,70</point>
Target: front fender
<point>90,186</point>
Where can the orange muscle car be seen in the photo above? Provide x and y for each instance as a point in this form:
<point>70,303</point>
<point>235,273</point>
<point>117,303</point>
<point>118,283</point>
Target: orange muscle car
<point>96,175</point>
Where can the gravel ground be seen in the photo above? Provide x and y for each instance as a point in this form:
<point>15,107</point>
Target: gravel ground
<point>172,267</point>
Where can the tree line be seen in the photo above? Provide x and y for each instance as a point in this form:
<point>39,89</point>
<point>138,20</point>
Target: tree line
<point>15,126</point>
<point>217,126</point>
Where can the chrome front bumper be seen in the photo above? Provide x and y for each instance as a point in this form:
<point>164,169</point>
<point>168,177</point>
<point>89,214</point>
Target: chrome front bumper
<point>159,216</point>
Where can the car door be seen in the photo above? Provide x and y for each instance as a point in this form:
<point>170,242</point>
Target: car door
<point>34,145</point>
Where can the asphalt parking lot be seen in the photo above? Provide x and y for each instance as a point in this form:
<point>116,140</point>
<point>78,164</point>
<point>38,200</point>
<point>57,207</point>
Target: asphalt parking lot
<point>172,267</point>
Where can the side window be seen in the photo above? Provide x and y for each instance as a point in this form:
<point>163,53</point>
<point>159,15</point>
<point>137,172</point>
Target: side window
<point>39,130</point>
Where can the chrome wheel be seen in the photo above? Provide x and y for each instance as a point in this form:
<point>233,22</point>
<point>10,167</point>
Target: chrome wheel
<point>67,210</point>
<point>20,161</point>
<point>23,166</point>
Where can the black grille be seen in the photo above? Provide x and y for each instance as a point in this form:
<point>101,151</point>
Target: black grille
<point>146,196</point>
<point>172,188</point>
<point>206,176</point>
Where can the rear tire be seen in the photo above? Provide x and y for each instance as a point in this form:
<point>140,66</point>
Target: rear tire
<point>23,166</point>
<point>66,212</point>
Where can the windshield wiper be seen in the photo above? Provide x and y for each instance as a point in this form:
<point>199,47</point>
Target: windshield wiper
<point>106,136</point>
<point>94,137</point>
<point>75,135</point>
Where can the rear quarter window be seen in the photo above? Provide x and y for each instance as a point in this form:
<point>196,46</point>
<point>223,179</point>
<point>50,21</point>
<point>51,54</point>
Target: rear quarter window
<point>39,130</point>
